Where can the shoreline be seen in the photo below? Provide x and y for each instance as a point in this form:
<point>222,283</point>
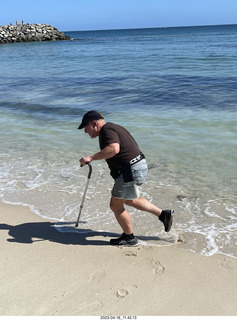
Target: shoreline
<point>45,272</point>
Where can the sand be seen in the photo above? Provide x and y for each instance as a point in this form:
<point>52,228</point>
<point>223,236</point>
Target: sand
<point>48,273</point>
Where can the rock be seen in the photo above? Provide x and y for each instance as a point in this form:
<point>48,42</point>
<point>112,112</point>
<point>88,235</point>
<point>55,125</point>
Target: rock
<point>30,32</point>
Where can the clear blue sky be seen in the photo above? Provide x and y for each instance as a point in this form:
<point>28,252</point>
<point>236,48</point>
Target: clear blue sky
<point>119,14</point>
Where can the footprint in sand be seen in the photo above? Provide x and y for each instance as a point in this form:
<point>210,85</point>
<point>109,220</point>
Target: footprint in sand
<point>121,293</point>
<point>97,305</point>
<point>157,267</point>
<point>97,276</point>
<point>130,253</point>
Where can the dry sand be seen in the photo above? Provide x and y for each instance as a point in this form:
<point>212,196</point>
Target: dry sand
<point>47,273</point>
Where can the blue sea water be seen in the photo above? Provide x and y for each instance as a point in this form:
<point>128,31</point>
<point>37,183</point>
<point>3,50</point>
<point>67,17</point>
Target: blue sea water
<point>173,88</point>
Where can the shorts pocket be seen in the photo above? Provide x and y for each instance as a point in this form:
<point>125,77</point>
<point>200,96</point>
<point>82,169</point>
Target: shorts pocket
<point>139,172</point>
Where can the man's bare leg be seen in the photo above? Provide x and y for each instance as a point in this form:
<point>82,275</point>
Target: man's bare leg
<point>144,205</point>
<point>124,219</point>
<point>165,216</point>
<point>121,214</point>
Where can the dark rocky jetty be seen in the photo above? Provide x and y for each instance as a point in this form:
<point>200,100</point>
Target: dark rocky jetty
<point>30,32</point>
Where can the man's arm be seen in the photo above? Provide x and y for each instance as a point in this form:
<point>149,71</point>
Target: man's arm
<point>106,153</point>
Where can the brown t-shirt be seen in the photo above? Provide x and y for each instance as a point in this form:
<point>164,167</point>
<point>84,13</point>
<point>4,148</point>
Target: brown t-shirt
<point>113,133</point>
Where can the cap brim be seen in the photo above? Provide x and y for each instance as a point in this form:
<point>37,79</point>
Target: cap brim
<point>82,125</point>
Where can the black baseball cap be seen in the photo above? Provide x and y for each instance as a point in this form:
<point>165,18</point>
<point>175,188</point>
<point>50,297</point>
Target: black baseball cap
<point>88,117</point>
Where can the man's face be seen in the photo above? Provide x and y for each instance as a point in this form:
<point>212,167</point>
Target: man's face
<point>90,128</point>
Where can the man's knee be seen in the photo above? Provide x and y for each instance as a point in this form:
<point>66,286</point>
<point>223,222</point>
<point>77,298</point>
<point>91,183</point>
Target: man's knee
<point>117,205</point>
<point>134,202</point>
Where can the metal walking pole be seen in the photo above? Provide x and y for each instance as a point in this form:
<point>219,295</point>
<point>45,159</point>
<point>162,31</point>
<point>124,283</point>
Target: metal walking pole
<point>84,195</point>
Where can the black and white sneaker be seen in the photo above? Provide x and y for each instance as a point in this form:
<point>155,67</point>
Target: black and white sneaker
<point>167,218</point>
<point>125,240</point>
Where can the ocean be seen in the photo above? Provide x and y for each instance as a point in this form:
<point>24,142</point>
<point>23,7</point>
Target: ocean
<point>174,89</point>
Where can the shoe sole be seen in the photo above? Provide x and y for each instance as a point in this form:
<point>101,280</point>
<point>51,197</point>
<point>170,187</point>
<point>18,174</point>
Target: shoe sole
<point>170,222</point>
<point>124,244</point>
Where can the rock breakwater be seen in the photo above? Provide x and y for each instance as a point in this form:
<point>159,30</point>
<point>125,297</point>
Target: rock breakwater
<point>30,32</point>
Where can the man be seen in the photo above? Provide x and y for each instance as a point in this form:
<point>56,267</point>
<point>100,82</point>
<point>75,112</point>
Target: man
<point>128,168</point>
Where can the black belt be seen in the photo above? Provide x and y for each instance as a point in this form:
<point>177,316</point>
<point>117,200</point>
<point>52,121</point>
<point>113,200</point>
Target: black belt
<point>137,159</point>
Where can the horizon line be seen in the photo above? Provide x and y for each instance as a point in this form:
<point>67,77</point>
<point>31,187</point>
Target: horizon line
<point>138,28</point>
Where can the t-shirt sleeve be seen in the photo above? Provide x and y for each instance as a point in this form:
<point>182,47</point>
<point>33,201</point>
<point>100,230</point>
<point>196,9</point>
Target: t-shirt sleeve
<point>110,136</point>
